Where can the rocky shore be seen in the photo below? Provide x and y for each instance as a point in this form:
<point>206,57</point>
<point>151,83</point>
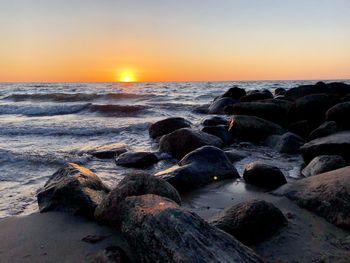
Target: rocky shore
<point>195,211</point>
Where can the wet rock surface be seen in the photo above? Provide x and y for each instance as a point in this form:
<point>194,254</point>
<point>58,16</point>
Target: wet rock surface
<point>159,230</point>
<point>136,159</point>
<point>167,126</point>
<point>286,143</point>
<point>322,164</point>
<point>250,222</point>
<point>325,129</point>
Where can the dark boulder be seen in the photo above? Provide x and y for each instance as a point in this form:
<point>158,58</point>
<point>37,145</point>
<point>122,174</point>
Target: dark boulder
<point>312,108</point>
<point>252,128</point>
<point>325,129</point>
<point>158,230</point>
<point>235,155</point>
<point>289,143</point>
<point>108,151</point>
<point>255,95</point>
<point>167,126</point>
<point>183,141</point>
<point>263,175</point>
<point>135,184</point>
<point>322,164</point>
<point>340,113</point>
<point>301,128</point>
<point>326,194</point>
<point>136,159</point>
<point>250,222</point>
<point>234,93</point>
<point>279,91</point>
<point>275,112</point>
<point>73,189</point>
<point>111,254</point>
<point>335,144</point>
<point>220,131</point>
<point>203,166</point>
<point>201,109</point>
<point>214,120</point>
<point>218,106</point>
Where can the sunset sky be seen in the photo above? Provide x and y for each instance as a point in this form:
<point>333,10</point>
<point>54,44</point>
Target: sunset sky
<point>168,40</point>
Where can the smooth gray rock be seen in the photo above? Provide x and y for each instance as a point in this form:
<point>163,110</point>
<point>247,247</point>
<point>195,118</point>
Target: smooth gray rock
<point>133,184</point>
<point>327,128</point>
<point>327,195</point>
<point>263,175</point>
<point>183,141</point>
<point>252,128</point>
<point>200,167</point>
<point>214,120</point>
<point>220,131</point>
<point>159,230</point>
<point>218,106</point>
<point>167,126</point>
<point>322,164</point>
<point>107,151</point>
<point>250,222</point>
<point>289,143</point>
<point>136,159</point>
<point>73,189</point>
<point>335,144</point>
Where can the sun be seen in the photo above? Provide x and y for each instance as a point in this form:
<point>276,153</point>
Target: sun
<point>127,76</point>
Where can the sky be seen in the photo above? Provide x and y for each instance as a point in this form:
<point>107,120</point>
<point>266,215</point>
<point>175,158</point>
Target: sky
<point>167,40</point>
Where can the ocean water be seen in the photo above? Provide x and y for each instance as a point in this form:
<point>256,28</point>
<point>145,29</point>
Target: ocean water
<point>44,125</point>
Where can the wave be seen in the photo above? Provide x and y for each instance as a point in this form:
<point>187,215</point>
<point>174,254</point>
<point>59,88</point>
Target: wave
<point>64,109</point>
<point>75,97</point>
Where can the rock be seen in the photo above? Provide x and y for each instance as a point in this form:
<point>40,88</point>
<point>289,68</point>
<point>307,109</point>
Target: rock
<point>136,159</point>
<point>255,95</point>
<point>132,185</point>
<point>167,126</point>
<point>327,128</point>
<point>158,230</point>
<point>301,128</point>
<point>214,121</point>
<point>250,222</point>
<point>279,91</point>
<point>326,194</point>
<point>322,164</point>
<point>220,131</point>
<point>108,151</point>
<point>263,175</point>
<point>235,155</point>
<point>200,167</point>
<point>234,93</point>
<point>335,144</point>
<point>287,143</point>
<point>312,107</point>
<point>305,90</point>
<point>218,106</point>
<point>266,110</point>
<point>252,128</point>
<point>183,141</point>
<point>201,109</point>
<point>73,189</point>
<point>340,114</point>
<point>112,254</point>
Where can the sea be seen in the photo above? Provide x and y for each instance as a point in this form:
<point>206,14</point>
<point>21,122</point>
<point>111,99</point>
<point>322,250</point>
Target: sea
<point>45,125</point>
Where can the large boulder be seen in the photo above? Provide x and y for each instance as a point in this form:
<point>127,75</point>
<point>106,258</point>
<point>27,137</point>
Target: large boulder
<point>279,91</point>
<point>250,222</point>
<point>185,140</point>
<point>289,143</point>
<point>73,189</point>
<point>109,210</point>
<point>340,114</point>
<point>234,93</point>
<point>304,90</point>
<point>200,167</point>
<point>326,194</point>
<point>263,175</point>
<point>312,107</point>
<point>218,106</point>
<point>107,151</point>
<point>235,155</point>
<point>167,126</point>
<point>274,112</point>
<point>136,159</point>
<point>158,230</point>
<point>220,131</point>
<point>252,128</point>
<point>322,164</point>
<point>255,95</point>
<point>325,129</point>
<point>301,128</point>
<point>214,121</point>
<point>335,144</point>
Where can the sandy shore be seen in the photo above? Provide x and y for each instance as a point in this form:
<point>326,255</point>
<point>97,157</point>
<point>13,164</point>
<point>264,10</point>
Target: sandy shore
<point>53,237</point>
